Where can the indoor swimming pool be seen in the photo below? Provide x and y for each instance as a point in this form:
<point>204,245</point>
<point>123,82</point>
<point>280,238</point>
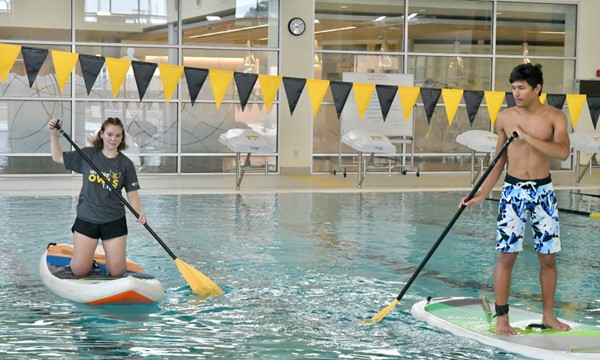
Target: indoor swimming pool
<point>300,271</point>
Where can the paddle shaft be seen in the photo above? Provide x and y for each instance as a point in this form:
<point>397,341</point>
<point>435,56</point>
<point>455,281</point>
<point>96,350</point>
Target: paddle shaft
<point>118,193</point>
<point>460,210</point>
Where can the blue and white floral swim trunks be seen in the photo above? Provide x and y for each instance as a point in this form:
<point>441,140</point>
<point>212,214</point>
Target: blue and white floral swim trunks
<point>523,197</point>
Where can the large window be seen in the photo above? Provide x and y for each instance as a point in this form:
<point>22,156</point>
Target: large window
<point>444,44</point>
<point>172,135</point>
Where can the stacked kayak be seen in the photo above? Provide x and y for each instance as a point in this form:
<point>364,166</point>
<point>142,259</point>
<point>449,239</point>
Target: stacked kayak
<point>97,288</point>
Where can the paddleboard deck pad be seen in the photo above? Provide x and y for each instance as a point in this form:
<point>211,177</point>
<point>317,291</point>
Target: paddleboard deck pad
<point>468,317</point>
<point>97,288</point>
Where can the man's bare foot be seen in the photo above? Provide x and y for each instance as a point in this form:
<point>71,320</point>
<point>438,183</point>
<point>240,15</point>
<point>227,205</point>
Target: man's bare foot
<point>503,326</point>
<point>554,323</point>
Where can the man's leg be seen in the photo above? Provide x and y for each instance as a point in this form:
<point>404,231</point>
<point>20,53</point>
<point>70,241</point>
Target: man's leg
<point>502,277</point>
<point>548,277</point>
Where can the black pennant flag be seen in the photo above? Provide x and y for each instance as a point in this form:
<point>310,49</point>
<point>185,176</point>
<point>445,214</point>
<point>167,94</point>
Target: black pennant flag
<point>143,72</point>
<point>195,78</point>
<point>386,94</point>
<point>594,105</point>
<point>244,83</point>
<point>90,68</point>
<point>293,89</point>
<point>430,98</point>
<point>556,100</point>
<point>340,91</point>
<point>510,99</point>
<point>473,100</point>
<point>34,59</point>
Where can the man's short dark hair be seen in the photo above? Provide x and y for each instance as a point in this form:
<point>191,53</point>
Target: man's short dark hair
<point>531,73</point>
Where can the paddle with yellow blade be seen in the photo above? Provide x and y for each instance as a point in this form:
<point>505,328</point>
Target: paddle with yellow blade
<point>199,282</point>
<point>380,315</point>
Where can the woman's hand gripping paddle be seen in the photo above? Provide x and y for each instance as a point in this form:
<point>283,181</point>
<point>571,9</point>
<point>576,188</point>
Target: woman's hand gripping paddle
<point>199,282</point>
<point>380,315</point>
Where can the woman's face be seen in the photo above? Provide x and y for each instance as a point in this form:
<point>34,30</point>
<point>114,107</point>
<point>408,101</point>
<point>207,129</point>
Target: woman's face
<point>112,136</point>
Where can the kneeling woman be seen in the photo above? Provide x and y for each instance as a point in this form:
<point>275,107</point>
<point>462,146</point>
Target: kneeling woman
<point>100,213</point>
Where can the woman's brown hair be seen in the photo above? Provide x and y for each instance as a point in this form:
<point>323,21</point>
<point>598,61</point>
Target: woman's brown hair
<point>98,143</point>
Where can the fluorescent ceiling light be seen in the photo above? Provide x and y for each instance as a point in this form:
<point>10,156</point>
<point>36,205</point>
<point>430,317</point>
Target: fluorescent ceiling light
<point>103,13</point>
<point>228,31</point>
<point>338,29</point>
<point>213,18</point>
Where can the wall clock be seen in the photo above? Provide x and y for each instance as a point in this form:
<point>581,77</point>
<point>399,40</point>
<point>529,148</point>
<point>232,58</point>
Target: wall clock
<point>296,26</point>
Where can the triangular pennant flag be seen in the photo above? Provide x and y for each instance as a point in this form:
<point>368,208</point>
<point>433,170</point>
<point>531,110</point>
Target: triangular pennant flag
<point>219,80</point>
<point>473,100</point>
<point>557,100</point>
<point>269,85</point>
<point>510,100</point>
<point>64,62</point>
<point>575,102</point>
<point>316,91</point>
<point>8,56</point>
<point>90,68</point>
<point>34,59</point>
<point>363,93</point>
<point>430,98</point>
<point>170,76</point>
<point>386,95</point>
<point>117,71</point>
<point>408,98</point>
<point>340,91</point>
<point>594,106</point>
<point>451,99</point>
<point>494,100</point>
<point>293,89</point>
<point>143,73</point>
<point>543,97</point>
<point>195,79</point>
<point>244,83</point>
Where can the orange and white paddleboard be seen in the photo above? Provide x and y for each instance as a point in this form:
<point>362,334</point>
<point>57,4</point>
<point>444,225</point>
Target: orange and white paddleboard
<point>97,288</point>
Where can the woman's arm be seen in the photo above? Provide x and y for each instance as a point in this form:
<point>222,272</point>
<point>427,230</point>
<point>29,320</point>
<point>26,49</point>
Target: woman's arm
<point>57,151</point>
<point>136,203</point>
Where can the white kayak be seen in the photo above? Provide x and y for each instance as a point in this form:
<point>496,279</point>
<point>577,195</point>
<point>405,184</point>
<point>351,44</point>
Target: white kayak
<point>469,317</point>
<point>97,288</point>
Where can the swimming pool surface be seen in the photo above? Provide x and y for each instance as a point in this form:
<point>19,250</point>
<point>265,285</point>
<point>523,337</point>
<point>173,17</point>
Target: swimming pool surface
<point>300,272</point>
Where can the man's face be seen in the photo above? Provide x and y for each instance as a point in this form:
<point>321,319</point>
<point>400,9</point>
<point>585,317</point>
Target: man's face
<point>523,93</point>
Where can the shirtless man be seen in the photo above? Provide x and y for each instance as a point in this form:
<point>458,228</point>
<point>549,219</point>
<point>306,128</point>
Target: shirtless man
<point>542,134</point>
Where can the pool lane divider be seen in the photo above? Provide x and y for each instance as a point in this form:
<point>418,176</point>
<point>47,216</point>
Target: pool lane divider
<point>380,315</point>
<point>593,215</point>
<point>198,282</point>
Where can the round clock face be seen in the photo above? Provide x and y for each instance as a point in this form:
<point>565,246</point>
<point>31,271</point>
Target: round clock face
<point>296,26</point>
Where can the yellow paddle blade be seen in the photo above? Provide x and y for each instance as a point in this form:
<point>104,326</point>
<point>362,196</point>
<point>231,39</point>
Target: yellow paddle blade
<point>199,282</point>
<point>595,215</point>
<point>380,315</point>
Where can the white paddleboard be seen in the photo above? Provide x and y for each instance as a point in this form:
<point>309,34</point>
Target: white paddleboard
<point>466,317</point>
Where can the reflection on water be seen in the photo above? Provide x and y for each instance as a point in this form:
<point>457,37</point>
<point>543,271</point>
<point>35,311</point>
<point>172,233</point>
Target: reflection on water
<point>300,273</point>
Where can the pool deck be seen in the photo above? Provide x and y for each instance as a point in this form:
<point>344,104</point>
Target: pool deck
<point>39,185</point>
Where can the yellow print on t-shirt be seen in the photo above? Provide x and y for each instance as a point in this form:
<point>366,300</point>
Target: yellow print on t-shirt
<point>113,177</point>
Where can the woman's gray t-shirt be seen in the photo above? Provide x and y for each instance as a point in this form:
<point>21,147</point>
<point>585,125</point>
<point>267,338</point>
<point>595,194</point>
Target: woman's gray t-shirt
<point>96,203</point>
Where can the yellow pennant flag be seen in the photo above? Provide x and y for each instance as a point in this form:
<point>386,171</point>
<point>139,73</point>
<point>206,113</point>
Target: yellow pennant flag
<point>494,100</point>
<point>363,93</point>
<point>269,84</point>
<point>219,80</point>
<point>316,91</point>
<point>451,99</point>
<point>169,76</point>
<point>575,102</point>
<point>8,56</point>
<point>64,62</point>
<point>408,98</point>
<point>117,71</point>
<point>543,97</point>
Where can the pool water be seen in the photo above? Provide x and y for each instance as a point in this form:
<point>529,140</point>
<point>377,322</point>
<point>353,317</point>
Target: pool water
<point>300,272</point>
